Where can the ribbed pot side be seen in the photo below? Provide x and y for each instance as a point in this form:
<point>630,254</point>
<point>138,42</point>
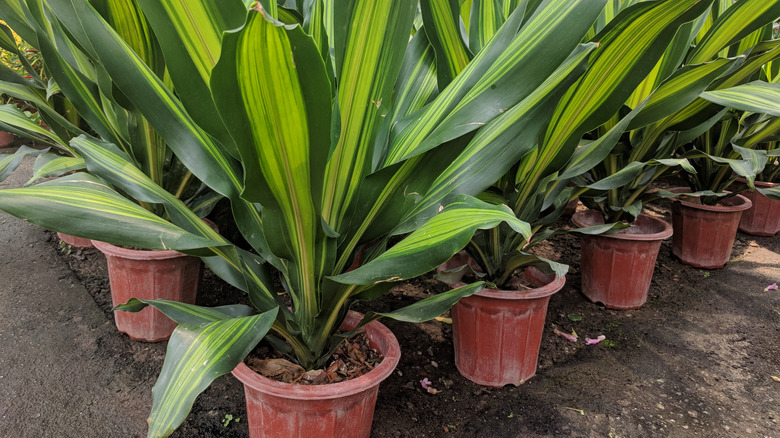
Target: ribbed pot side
<point>703,234</point>
<point>6,139</point>
<point>149,275</point>
<point>763,218</point>
<point>341,410</point>
<point>497,333</point>
<point>617,269</point>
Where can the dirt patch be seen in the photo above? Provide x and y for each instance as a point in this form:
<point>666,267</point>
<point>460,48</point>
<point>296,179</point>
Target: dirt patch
<point>696,360</point>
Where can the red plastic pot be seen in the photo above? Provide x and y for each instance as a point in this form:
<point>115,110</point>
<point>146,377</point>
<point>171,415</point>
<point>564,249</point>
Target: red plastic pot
<point>763,218</point>
<point>6,139</point>
<point>617,268</point>
<point>76,242</point>
<point>343,410</point>
<point>149,275</point>
<point>496,333</point>
<point>704,234</point>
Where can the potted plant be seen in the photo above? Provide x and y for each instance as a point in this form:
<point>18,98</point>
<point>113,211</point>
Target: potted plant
<point>306,206</point>
<point>708,223</point>
<point>327,138</point>
<point>670,116</point>
<point>69,111</point>
<point>757,132</point>
<point>497,331</point>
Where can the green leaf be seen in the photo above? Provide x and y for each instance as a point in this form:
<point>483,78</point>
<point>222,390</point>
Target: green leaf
<point>83,206</point>
<point>503,73</point>
<point>282,129</point>
<point>197,354</point>
<point>631,44</point>
<point>503,141</point>
<point>190,34</point>
<point>441,20</point>
<point>51,166</point>
<point>758,96</point>
<point>9,162</point>
<point>435,242</point>
<point>739,20</point>
<point>680,89</point>
<point>431,307</point>
<point>202,155</point>
<point>187,313</point>
<point>372,52</point>
<point>587,156</point>
<point>13,117</point>
<point>487,16</point>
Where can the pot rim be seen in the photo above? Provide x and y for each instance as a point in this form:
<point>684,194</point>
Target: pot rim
<point>517,295</point>
<point>332,390</point>
<point>744,205</point>
<point>136,254</point>
<point>664,234</point>
<point>763,184</point>
<point>144,254</point>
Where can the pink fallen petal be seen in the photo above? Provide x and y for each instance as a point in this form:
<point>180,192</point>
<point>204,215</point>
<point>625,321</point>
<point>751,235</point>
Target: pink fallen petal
<point>589,341</point>
<point>565,335</point>
<point>425,383</point>
<point>772,286</point>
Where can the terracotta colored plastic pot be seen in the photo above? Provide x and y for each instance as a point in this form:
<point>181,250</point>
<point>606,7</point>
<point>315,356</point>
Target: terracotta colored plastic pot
<point>149,275</point>
<point>342,410</point>
<point>6,139</point>
<point>617,268</point>
<point>763,218</point>
<point>704,234</point>
<point>76,242</point>
<point>496,333</point>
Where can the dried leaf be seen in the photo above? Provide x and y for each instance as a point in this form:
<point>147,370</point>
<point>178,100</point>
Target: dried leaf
<point>282,369</point>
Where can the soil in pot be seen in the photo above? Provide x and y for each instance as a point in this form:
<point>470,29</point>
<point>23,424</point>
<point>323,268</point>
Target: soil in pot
<point>149,275</point>
<point>617,269</point>
<point>704,234</point>
<point>763,218</point>
<point>343,409</point>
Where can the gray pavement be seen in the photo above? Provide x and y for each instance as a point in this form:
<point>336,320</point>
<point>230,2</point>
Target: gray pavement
<point>54,381</point>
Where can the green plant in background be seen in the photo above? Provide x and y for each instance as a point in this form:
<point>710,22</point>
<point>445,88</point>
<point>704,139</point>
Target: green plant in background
<point>748,129</point>
<point>722,49</point>
<point>536,187</point>
<point>330,128</point>
<point>83,103</point>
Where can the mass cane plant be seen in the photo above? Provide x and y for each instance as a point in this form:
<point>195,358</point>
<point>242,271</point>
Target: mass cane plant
<point>731,47</point>
<point>83,102</point>
<point>746,133</point>
<point>536,186</point>
<point>329,129</point>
